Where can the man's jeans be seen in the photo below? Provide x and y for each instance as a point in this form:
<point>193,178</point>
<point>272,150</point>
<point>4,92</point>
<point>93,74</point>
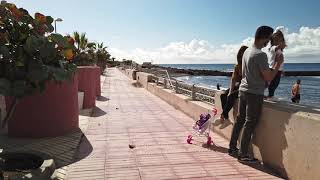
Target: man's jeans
<point>250,107</point>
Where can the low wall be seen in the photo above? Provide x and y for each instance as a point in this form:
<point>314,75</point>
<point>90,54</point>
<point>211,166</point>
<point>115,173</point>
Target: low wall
<point>179,101</point>
<point>143,78</point>
<point>287,138</point>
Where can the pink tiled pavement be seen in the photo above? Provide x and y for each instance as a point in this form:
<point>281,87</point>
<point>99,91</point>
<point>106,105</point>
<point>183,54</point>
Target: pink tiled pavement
<point>131,115</point>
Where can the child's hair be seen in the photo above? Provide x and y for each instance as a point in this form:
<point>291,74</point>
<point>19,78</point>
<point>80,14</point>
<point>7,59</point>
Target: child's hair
<point>278,35</point>
<point>298,81</point>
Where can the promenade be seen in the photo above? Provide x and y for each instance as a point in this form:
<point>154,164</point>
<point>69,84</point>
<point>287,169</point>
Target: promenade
<point>127,114</point>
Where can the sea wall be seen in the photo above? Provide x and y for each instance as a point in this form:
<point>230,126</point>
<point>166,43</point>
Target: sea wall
<point>143,78</point>
<point>287,138</point>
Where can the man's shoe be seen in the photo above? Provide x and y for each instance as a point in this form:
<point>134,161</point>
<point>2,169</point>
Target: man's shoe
<point>217,122</point>
<point>225,124</point>
<point>233,152</point>
<point>247,160</point>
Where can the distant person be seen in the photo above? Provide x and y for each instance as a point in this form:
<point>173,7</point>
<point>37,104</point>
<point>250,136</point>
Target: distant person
<point>295,92</point>
<point>255,71</point>
<point>229,97</point>
<point>277,46</point>
<point>218,86</point>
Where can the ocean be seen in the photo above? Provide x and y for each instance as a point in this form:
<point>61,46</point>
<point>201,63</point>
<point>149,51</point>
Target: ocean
<point>310,94</point>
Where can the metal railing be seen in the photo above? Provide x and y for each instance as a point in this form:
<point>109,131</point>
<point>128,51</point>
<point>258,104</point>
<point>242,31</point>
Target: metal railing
<point>195,92</point>
<point>162,78</point>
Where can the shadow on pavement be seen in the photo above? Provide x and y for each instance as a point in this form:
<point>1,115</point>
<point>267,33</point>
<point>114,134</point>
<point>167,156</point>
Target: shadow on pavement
<point>137,85</point>
<point>65,150</point>
<point>97,112</point>
<point>102,99</point>
<point>258,166</point>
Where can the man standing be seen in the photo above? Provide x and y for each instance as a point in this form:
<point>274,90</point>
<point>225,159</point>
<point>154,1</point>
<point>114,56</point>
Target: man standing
<point>255,72</point>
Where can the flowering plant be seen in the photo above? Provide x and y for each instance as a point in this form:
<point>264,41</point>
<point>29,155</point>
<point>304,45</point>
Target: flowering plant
<point>30,54</point>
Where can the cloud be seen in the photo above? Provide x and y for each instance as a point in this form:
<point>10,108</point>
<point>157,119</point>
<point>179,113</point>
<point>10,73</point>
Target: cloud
<point>302,45</point>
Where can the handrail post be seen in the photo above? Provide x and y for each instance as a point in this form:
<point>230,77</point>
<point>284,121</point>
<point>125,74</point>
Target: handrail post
<point>177,87</point>
<point>193,92</point>
<point>165,83</point>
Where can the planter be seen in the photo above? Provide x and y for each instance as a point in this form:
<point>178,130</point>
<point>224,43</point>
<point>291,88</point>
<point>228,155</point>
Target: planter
<point>98,81</point>
<point>89,83</point>
<point>2,108</point>
<point>52,113</point>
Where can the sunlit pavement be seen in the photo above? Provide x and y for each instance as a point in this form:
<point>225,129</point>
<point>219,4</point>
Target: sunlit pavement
<point>130,115</point>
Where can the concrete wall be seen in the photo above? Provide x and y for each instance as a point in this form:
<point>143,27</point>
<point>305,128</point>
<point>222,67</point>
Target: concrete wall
<point>143,78</point>
<point>287,137</point>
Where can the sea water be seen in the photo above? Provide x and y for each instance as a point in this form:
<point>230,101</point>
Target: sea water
<point>310,86</point>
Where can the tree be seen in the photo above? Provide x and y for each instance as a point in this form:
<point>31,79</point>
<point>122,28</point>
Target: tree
<point>81,41</point>
<point>102,56</point>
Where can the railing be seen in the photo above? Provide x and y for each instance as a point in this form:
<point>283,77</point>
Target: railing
<point>194,91</point>
<point>162,78</point>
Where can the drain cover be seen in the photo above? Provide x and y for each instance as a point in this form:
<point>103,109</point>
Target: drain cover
<point>20,161</point>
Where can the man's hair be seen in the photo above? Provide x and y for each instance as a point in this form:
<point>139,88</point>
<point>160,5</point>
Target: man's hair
<point>264,32</point>
<point>240,54</point>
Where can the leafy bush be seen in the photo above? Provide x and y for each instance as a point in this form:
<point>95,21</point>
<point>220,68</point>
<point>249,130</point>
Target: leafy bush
<point>30,54</point>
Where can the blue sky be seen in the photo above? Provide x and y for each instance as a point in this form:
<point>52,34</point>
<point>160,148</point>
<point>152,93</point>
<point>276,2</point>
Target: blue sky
<point>152,24</point>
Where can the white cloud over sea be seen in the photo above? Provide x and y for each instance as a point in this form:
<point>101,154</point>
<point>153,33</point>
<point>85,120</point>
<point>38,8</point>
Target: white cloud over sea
<point>303,46</point>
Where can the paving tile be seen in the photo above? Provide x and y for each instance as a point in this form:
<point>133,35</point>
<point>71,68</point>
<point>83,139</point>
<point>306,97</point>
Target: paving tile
<point>157,172</point>
<point>151,160</point>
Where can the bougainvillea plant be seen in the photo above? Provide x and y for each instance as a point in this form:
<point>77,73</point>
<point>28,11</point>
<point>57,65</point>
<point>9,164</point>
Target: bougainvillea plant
<point>30,54</point>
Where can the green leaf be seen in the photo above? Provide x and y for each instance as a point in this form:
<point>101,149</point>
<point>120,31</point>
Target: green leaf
<point>49,20</point>
<point>5,87</point>
<point>71,67</point>
<point>42,86</point>
<point>19,64</point>
<point>58,74</point>
<point>59,39</point>
<point>50,28</point>
<point>38,73</point>
<point>48,51</point>
<point>32,44</point>
<point>19,88</point>
<point>4,51</point>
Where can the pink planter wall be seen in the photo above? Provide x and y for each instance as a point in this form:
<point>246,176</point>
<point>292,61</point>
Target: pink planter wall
<point>89,83</point>
<point>52,113</point>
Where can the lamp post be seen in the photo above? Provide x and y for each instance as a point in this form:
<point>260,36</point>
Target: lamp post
<point>55,24</point>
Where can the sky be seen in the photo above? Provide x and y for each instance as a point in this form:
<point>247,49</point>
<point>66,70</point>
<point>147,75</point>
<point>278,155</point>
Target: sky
<point>186,31</point>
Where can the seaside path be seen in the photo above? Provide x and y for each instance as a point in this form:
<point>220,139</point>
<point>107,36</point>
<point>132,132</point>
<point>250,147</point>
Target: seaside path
<point>130,115</point>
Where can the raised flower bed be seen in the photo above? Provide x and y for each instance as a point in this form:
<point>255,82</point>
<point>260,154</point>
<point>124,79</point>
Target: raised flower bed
<point>37,75</point>
<point>89,83</point>
<point>91,60</point>
<point>51,113</point>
